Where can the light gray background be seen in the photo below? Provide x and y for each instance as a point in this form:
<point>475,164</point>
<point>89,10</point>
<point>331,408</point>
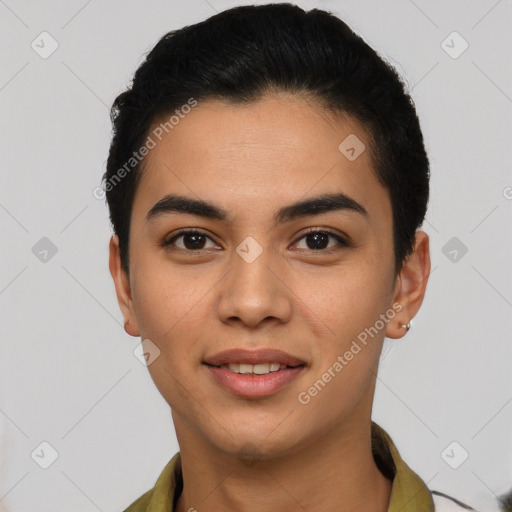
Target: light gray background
<point>68,373</point>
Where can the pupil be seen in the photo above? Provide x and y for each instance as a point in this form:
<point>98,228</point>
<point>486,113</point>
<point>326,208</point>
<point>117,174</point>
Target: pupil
<point>318,240</point>
<point>196,243</point>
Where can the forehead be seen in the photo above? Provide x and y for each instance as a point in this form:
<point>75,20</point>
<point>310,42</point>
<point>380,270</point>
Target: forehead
<point>276,150</point>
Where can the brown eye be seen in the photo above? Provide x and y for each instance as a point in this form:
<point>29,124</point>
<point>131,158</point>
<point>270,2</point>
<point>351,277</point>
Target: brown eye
<point>190,240</point>
<point>319,240</point>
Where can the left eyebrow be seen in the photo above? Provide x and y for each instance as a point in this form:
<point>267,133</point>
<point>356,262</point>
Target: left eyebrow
<point>318,205</point>
<point>172,203</point>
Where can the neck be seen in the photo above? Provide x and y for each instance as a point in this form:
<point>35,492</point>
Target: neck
<point>336,472</point>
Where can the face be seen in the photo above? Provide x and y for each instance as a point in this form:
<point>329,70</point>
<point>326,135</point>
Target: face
<point>257,275</point>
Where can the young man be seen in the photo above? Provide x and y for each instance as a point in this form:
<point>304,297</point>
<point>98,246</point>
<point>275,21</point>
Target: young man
<point>266,181</point>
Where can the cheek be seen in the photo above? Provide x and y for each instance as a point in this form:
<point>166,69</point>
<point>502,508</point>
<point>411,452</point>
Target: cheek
<point>166,297</point>
<point>343,301</point>
<point>347,356</point>
<point>173,312</point>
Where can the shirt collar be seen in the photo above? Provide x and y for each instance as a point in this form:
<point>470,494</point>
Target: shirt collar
<point>408,493</point>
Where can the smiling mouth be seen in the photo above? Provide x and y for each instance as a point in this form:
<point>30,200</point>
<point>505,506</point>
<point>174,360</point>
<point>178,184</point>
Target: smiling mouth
<point>254,369</point>
<point>262,377</point>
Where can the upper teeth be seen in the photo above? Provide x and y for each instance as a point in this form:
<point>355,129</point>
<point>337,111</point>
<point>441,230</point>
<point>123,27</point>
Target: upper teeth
<point>258,369</point>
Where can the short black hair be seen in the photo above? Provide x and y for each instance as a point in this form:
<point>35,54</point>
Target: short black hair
<point>505,502</point>
<point>244,53</point>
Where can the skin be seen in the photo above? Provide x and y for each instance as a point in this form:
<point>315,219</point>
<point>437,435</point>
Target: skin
<point>249,454</point>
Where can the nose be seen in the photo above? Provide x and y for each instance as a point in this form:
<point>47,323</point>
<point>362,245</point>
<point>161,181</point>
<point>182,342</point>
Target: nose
<point>255,291</point>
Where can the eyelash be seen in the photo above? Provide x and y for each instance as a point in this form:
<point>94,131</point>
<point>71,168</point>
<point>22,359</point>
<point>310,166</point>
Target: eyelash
<point>342,242</point>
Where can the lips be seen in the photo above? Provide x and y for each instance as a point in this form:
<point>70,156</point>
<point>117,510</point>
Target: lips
<point>244,356</point>
<point>254,374</point>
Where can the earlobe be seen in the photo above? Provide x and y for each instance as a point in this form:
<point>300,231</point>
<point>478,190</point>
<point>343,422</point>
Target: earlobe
<point>122,286</point>
<point>410,286</point>
<point>396,327</point>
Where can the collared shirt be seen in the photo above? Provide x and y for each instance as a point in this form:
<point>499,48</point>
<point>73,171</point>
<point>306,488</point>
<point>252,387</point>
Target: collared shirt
<point>408,492</point>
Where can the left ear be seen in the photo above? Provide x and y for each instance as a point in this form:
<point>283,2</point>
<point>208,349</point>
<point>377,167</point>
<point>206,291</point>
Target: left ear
<point>411,284</point>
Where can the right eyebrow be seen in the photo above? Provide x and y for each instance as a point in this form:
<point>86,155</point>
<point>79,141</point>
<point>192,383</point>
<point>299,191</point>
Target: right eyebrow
<point>172,203</point>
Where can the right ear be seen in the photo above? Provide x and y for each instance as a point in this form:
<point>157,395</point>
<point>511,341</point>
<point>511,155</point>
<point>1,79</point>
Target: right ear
<point>123,290</point>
